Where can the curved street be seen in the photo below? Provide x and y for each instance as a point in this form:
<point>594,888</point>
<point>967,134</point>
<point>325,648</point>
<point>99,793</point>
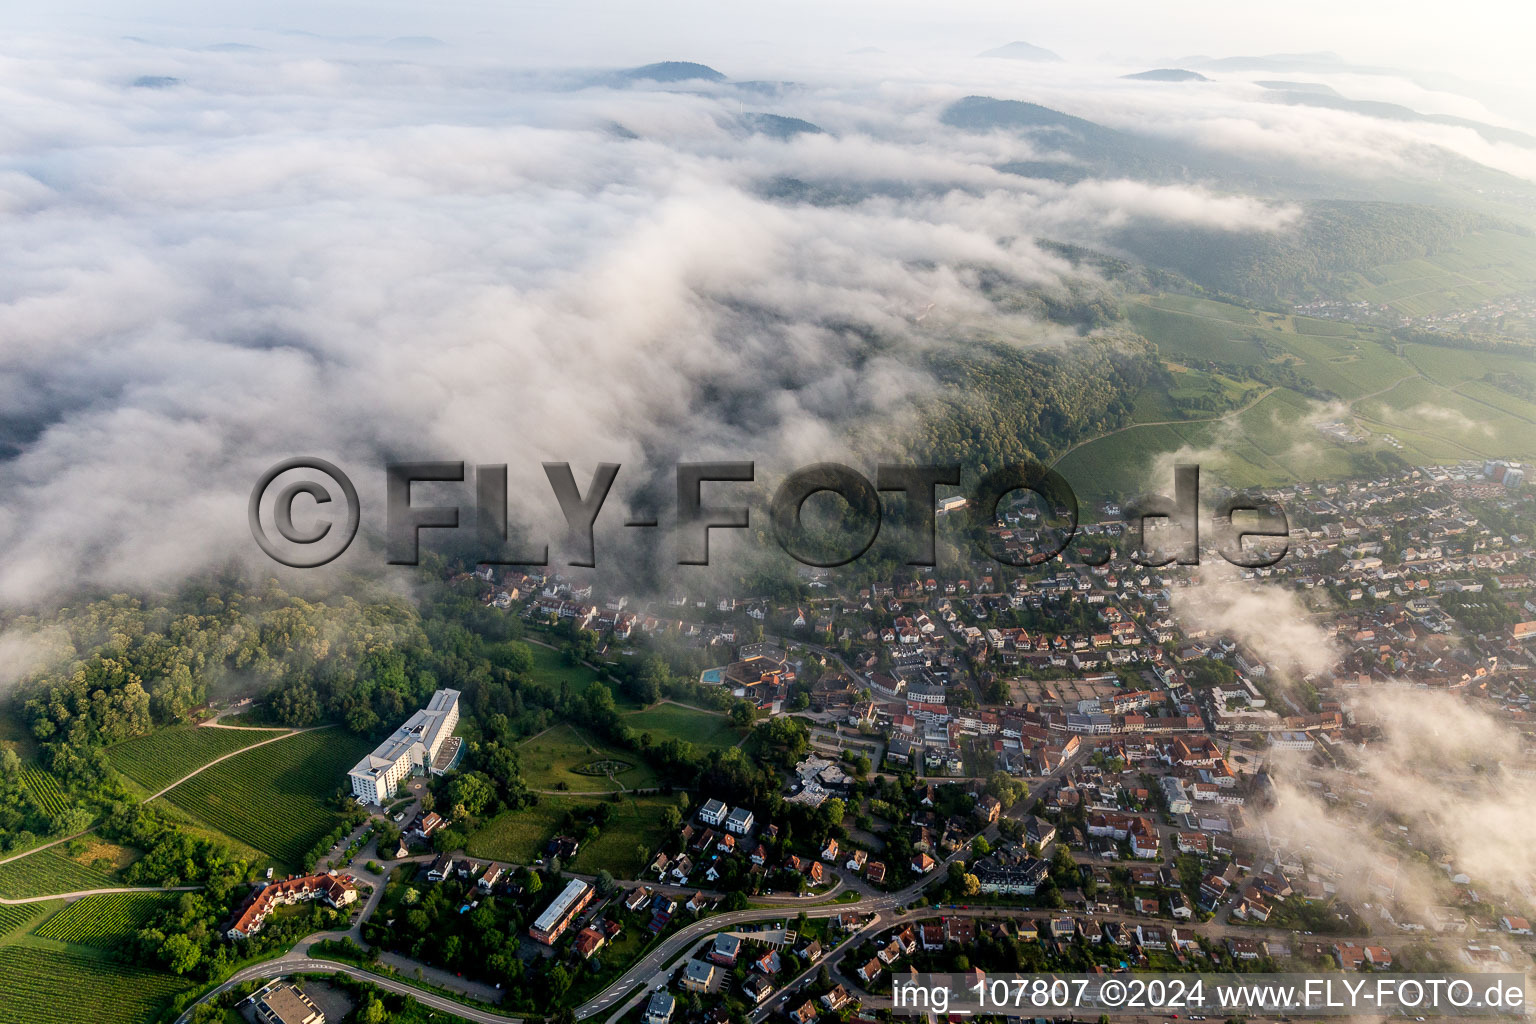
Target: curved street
<point>653,968</point>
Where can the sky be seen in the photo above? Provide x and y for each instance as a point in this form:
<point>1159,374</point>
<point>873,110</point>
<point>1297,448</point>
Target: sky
<point>1482,40</point>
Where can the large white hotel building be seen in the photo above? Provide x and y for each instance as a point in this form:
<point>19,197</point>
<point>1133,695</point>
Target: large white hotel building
<point>410,748</point>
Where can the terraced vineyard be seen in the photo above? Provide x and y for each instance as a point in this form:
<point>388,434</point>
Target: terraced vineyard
<point>104,921</point>
<point>161,758</point>
<point>43,788</point>
<point>48,871</point>
<point>276,797</point>
<point>46,987</point>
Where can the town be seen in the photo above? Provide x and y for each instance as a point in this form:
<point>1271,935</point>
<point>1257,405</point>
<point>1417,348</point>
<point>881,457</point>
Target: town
<point>1070,769</point>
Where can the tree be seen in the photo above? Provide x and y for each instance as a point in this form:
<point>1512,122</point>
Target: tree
<point>371,1010</point>
<point>180,953</point>
<point>470,793</point>
<point>1006,788</point>
<point>71,821</point>
<point>604,883</point>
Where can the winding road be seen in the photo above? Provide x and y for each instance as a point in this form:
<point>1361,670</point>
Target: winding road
<point>658,965</point>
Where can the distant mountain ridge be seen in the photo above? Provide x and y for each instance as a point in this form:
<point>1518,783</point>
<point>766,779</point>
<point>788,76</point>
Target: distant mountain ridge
<point>671,71</point>
<point>1167,75</point>
<point>1020,50</point>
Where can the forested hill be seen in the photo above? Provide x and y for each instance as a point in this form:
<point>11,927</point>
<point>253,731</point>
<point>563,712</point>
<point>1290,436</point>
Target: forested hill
<point>1332,238</point>
<point>1002,404</point>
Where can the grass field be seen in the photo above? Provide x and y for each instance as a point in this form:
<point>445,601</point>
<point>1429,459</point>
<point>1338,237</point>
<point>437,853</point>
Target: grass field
<point>159,759</point>
<point>669,721</point>
<point>551,760</point>
<point>50,871</point>
<point>276,797</point>
<point>15,735</point>
<point>104,921</point>
<point>519,836</point>
<point>49,987</point>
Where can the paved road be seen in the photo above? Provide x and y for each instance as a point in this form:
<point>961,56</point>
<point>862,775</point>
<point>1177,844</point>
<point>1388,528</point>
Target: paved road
<point>650,967</point>
<point>295,964</point>
<point>656,966</point>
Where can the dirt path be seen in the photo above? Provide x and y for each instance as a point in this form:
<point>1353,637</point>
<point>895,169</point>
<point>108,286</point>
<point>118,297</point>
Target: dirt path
<point>167,789</point>
<point>1349,404</point>
<point>234,753</point>
<point>97,892</point>
<point>1164,423</point>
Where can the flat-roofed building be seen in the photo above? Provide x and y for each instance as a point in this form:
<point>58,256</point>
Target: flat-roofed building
<point>287,1005</point>
<point>557,917</point>
<point>409,749</point>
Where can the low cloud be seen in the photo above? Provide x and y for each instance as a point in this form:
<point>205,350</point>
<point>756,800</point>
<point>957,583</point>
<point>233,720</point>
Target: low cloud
<point>1268,619</point>
<point>371,255</point>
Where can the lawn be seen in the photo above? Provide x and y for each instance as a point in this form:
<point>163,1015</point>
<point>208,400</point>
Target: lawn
<point>52,987</point>
<point>518,837</point>
<point>703,729</point>
<point>569,759</point>
<point>161,758</point>
<point>277,797</point>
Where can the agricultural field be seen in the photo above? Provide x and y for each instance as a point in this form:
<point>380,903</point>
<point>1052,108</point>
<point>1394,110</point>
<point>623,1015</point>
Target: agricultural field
<point>43,788</point>
<point>519,836</point>
<point>1422,403</point>
<point>569,759</point>
<point>51,871</point>
<point>1479,267</point>
<point>40,986</point>
<point>161,758</point>
<point>16,918</point>
<point>276,797</point>
<point>705,730</point>
<point>104,921</point>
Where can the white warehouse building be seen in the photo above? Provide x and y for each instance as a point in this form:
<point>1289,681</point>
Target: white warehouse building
<point>410,748</point>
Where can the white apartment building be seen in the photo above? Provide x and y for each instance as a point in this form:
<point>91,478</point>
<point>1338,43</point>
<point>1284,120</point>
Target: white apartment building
<point>410,748</point>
